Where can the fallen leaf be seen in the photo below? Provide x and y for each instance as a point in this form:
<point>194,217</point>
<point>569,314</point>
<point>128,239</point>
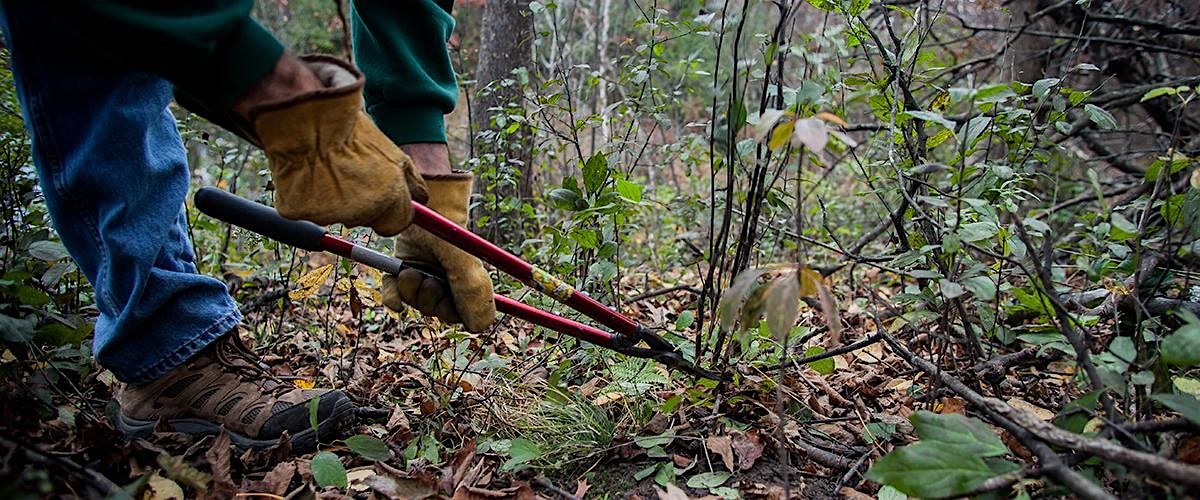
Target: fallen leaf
<point>849,493</point>
<point>1188,451</point>
<point>951,404</point>
<point>723,446</point>
<point>1036,410</point>
<point>582,488</point>
<point>419,488</point>
<point>748,447</point>
<point>218,459</point>
<point>452,475</point>
<point>275,482</point>
<point>607,398</point>
<point>681,461</point>
<point>671,492</point>
<point>261,458</point>
<point>161,488</point>
<point>358,476</point>
<point>304,384</point>
<point>176,469</point>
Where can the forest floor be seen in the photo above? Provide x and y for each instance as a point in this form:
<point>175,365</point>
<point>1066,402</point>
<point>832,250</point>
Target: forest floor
<point>446,433</point>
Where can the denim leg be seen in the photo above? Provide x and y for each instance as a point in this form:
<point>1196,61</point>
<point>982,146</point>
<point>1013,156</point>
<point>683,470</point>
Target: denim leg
<point>114,174</point>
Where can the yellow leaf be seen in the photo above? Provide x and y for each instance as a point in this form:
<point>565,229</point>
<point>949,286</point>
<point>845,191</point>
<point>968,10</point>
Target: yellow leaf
<point>831,118</point>
<point>781,135</point>
<point>304,384</point>
<point>809,281</point>
<point>940,103</point>
<point>310,283</point>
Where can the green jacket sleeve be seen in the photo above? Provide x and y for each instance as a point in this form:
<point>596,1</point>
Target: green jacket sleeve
<point>211,50</point>
<point>400,46</point>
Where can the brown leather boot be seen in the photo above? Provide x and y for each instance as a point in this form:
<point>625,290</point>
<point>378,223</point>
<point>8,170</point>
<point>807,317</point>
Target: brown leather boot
<point>225,385</point>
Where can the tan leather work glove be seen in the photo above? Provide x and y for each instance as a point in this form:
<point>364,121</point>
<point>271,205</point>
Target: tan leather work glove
<point>329,161</point>
<point>469,300</point>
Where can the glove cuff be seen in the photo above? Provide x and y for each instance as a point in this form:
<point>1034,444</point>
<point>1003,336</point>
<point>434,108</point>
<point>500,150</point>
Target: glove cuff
<point>339,77</point>
<point>450,195</point>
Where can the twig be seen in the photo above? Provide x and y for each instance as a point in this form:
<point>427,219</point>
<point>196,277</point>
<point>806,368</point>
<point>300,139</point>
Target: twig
<point>871,339</point>
<point>821,456</point>
<point>663,291</point>
<point>545,483</point>
<point>1020,423</point>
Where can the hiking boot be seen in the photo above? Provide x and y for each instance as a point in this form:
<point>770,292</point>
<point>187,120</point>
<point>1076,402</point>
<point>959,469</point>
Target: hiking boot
<point>225,385</point>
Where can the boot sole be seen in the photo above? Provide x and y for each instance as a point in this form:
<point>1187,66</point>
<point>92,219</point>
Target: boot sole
<point>302,442</point>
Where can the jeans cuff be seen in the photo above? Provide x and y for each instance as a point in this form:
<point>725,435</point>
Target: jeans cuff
<point>185,351</point>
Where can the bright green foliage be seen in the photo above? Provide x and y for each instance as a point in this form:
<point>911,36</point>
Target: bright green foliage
<point>954,456</point>
<point>327,470</point>
<point>368,447</point>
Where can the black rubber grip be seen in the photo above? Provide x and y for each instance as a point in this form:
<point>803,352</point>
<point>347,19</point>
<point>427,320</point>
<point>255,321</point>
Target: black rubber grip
<point>259,218</point>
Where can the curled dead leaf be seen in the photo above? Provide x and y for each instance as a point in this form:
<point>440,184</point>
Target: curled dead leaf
<point>748,447</point>
<point>723,446</point>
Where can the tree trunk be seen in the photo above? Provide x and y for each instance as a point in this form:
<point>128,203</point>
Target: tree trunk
<point>505,45</point>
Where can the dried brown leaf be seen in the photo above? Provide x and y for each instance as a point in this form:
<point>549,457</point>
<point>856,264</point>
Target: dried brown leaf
<point>418,488</point>
<point>748,447</point>
<point>275,482</point>
<point>218,459</point>
<point>723,446</point>
<point>782,305</point>
<point>671,492</point>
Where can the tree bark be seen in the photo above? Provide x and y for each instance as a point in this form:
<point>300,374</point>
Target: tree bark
<point>505,45</point>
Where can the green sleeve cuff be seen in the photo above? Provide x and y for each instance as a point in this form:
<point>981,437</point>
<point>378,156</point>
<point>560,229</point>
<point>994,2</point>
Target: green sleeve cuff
<point>239,63</point>
<point>408,124</point>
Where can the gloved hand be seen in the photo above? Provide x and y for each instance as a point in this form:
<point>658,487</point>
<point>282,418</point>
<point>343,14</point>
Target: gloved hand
<point>329,161</point>
<point>470,299</point>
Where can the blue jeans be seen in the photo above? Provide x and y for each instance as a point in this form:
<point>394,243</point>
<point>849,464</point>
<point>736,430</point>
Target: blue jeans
<point>114,174</point>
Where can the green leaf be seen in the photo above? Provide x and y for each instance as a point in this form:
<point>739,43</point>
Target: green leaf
<point>878,432</point>
<point>1158,92</point>
<point>684,320</point>
<point>629,190</point>
<point>1182,348</point>
<point>313,405</point>
<point>930,116</point>
<point>890,493</point>
<point>858,7</point>
<point>48,251</point>
<point>822,366</point>
<point>327,470</point>
<point>368,447</point>
<point>963,433</point>
<point>520,452</point>
<point>931,469</point>
<point>16,330</point>
<point>950,289</point>
<point>645,473</point>
<point>976,231</point>
<point>1121,229</point>
<point>651,441</point>
<point>665,474</point>
<point>708,479</point>
<point>1185,404</point>
<point>973,130</point>
<point>595,172</point>
<point>982,286</point>
<point>1041,88</point>
<point>567,200</point>
<point>1100,117</point>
